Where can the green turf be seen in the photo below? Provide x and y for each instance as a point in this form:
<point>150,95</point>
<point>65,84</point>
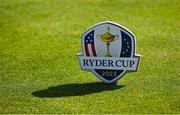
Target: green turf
<point>40,73</point>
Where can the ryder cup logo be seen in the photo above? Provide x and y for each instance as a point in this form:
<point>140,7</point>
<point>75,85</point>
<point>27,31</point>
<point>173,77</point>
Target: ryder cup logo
<point>108,50</point>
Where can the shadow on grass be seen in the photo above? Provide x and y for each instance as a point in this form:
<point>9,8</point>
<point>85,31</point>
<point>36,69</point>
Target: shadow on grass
<point>75,89</point>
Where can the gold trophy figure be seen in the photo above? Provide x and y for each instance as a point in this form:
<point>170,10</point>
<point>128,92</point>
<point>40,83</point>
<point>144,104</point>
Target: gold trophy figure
<point>107,38</point>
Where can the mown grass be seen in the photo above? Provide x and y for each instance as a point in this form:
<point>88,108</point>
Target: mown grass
<point>40,73</point>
